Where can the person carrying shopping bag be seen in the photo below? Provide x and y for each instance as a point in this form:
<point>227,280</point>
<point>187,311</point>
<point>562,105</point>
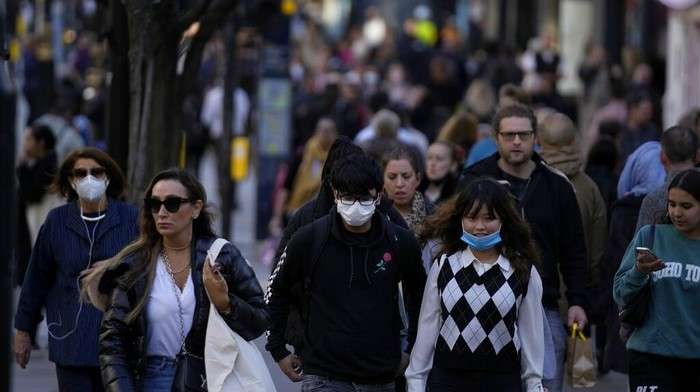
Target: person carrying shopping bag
<point>154,329</point>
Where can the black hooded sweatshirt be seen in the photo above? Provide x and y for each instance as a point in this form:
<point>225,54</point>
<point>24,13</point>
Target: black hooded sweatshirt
<point>352,331</point>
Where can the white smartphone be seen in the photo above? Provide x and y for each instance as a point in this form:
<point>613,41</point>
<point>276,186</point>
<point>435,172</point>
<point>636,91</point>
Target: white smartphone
<point>641,249</point>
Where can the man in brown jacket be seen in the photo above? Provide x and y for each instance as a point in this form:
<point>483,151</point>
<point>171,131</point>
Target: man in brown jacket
<point>561,149</point>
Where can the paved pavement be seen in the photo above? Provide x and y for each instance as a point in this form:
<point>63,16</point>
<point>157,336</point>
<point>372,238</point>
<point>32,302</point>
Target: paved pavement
<point>40,375</point>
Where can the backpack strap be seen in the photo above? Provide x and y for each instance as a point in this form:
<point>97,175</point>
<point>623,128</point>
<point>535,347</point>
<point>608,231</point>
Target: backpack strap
<point>394,247</point>
<point>321,229</point>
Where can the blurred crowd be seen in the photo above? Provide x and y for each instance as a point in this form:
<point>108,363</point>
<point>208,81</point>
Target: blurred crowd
<point>421,100</point>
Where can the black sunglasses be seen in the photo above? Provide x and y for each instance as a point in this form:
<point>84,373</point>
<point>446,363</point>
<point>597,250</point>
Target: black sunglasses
<point>95,172</point>
<point>172,204</point>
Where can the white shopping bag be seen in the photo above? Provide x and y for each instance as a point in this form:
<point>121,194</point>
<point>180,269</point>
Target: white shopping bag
<point>231,362</point>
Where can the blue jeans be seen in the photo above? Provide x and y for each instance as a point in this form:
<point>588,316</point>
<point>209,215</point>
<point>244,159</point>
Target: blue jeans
<point>554,351</point>
<point>313,383</point>
<point>159,374</point>
<point>79,378</point>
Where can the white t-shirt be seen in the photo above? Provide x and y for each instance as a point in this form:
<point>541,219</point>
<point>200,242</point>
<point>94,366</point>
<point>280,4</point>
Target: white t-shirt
<point>163,336</point>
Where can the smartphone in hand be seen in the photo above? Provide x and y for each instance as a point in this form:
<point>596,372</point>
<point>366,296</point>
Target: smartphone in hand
<point>647,261</point>
<point>647,251</point>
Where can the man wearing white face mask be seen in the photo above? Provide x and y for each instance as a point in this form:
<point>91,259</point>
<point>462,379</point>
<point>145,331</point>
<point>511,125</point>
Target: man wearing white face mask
<point>344,270</point>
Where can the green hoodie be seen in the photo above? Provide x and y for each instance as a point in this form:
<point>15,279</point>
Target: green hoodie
<point>672,327</point>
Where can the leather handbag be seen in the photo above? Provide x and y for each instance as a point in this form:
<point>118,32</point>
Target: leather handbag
<point>190,374</point>
<point>635,312</point>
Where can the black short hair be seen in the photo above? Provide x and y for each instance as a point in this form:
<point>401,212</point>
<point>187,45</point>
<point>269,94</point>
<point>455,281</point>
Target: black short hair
<point>611,128</point>
<point>341,147</point>
<point>604,153</point>
<point>357,175</point>
<point>679,144</point>
<point>43,133</point>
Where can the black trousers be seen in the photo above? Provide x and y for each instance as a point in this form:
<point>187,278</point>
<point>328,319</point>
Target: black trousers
<point>452,380</point>
<point>656,373</point>
<point>79,379</point>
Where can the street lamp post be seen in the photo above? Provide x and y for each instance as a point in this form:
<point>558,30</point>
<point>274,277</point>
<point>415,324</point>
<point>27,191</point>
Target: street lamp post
<point>7,202</point>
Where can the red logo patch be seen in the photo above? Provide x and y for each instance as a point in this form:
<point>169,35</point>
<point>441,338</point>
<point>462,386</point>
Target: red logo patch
<point>386,257</point>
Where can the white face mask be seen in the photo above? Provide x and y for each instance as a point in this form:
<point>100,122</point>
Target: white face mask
<point>90,188</point>
<point>355,214</point>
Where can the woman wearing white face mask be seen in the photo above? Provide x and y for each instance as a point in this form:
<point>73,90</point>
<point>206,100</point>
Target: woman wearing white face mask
<point>92,226</point>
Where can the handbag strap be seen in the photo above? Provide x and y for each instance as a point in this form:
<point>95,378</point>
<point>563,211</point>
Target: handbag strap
<point>215,249</point>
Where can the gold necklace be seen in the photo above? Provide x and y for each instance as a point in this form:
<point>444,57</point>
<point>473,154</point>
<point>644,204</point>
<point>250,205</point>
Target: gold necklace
<point>170,267</point>
<point>186,246</point>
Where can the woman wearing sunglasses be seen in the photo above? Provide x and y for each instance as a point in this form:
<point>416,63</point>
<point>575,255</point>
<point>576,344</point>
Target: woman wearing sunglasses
<point>161,289</point>
<point>93,225</point>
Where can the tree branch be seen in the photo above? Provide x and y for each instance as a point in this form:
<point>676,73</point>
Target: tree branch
<point>192,15</point>
<point>210,22</point>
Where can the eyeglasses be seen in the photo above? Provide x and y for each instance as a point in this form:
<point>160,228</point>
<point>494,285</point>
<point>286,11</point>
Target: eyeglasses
<point>172,204</point>
<point>366,201</point>
<point>97,172</point>
<point>523,135</point>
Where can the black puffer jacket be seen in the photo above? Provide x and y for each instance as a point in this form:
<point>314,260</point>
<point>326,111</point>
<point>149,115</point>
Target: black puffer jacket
<point>123,346</point>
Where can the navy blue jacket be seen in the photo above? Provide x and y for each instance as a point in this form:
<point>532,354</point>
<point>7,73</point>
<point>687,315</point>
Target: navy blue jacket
<point>58,257</point>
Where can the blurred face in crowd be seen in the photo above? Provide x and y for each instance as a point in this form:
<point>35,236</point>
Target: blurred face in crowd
<point>32,147</point>
<point>400,182</point>
<point>325,129</point>
<point>515,140</point>
<point>642,112</point>
<point>396,74</point>
<point>172,221</point>
<point>439,162</point>
<point>684,211</point>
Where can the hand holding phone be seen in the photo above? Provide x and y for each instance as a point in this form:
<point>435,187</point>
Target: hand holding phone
<point>647,261</point>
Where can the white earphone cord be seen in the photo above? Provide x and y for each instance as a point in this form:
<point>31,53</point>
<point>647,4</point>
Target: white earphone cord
<point>59,324</point>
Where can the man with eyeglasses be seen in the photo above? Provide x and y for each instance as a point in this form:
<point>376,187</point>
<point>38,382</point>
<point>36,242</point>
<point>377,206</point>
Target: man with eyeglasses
<point>344,270</point>
<point>548,202</point>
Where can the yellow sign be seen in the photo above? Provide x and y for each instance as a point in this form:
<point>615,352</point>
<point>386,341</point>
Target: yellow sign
<point>288,7</point>
<point>240,158</point>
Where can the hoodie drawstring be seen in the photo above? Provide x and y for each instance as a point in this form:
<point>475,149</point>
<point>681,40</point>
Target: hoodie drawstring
<point>352,266</point>
<point>369,282</point>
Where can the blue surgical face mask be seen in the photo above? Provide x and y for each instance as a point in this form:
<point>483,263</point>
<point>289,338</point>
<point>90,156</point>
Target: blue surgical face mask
<point>481,244</point>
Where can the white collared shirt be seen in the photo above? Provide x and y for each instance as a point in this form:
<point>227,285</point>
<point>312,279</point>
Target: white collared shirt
<point>530,325</point>
<point>163,336</point>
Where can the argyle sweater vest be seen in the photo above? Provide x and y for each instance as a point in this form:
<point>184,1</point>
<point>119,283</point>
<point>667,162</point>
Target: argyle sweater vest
<point>479,329</point>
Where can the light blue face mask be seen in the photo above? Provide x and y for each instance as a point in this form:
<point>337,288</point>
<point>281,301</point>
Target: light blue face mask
<point>481,244</point>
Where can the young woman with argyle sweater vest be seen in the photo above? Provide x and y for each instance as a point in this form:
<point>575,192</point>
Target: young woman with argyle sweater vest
<point>481,319</point>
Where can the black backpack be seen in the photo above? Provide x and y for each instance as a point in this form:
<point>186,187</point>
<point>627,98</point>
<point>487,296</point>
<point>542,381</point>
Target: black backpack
<point>301,291</point>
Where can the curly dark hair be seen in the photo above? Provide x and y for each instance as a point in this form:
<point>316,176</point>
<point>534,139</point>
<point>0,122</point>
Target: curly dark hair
<point>518,244</point>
